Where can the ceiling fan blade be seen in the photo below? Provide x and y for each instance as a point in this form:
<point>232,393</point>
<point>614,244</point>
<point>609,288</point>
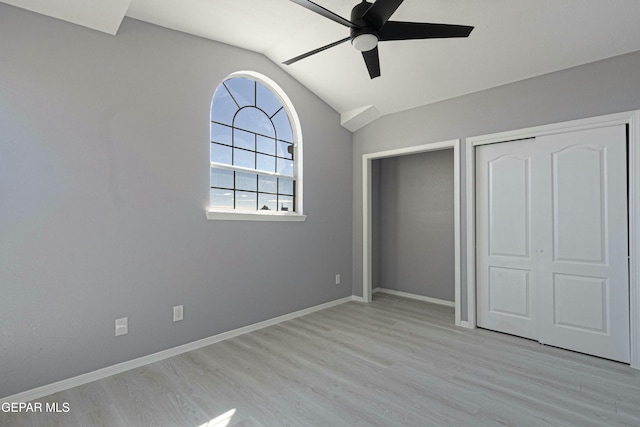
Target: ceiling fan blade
<point>372,60</point>
<point>325,12</point>
<point>380,12</point>
<point>419,30</point>
<point>313,52</point>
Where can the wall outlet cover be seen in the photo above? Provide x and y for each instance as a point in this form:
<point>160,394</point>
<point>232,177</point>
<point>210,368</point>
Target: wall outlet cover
<point>122,326</point>
<point>178,313</point>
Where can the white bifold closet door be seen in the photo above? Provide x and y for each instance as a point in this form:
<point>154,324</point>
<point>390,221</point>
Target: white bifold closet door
<point>551,240</point>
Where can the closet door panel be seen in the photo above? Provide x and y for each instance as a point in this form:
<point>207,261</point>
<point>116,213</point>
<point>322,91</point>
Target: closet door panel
<point>580,190</point>
<point>552,240</point>
<point>579,204</point>
<point>505,273</point>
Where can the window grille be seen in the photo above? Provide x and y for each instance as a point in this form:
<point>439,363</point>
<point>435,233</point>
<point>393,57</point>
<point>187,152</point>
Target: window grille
<point>253,150</point>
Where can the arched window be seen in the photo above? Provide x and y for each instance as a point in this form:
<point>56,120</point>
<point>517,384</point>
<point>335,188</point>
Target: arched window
<point>255,150</point>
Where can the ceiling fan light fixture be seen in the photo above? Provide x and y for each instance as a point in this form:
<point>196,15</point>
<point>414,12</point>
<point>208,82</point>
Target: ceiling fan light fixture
<point>365,42</point>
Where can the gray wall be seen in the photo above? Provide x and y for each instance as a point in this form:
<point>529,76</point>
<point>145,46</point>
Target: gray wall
<point>602,87</point>
<point>104,179</point>
<point>416,243</point>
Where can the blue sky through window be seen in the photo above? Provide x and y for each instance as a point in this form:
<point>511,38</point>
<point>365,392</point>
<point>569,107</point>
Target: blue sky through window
<point>251,130</point>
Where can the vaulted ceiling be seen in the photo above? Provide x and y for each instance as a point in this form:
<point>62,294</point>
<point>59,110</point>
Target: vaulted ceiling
<point>512,40</point>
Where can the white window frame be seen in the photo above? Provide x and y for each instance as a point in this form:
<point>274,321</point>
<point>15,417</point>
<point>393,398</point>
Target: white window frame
<point>298,214</point>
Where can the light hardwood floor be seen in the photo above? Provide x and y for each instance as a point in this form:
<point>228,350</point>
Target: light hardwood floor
<point>394,362</point>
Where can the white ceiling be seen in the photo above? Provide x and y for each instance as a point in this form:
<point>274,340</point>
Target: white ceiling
<point>104,16</point>
<point>512,40</point>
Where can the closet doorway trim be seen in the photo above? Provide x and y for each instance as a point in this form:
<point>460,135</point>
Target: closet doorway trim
<point>366,213</point>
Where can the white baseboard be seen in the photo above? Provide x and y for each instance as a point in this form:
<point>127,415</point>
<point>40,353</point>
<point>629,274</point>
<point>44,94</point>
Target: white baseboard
<point>464,324</point>
<point>56,387</point>
<point>414,296</point>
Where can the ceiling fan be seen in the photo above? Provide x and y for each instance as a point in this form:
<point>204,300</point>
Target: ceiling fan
<point>370,24</point>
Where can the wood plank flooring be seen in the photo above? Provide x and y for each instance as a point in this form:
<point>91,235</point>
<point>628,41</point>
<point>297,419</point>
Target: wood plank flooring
<point>394,362</point>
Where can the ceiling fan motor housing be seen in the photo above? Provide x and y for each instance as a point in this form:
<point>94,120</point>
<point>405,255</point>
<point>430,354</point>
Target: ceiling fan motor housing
<point>364,37</point>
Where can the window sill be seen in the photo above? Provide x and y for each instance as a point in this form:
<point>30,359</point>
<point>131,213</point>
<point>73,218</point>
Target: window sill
<point>254,216</point>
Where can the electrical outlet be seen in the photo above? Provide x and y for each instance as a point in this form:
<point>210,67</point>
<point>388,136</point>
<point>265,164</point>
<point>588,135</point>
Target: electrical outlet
<point>337,279</point>
<point>122,327</point>
<point>178,313</point>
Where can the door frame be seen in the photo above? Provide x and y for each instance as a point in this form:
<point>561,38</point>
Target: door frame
<point>630,118</point>
<point>366,212</point>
